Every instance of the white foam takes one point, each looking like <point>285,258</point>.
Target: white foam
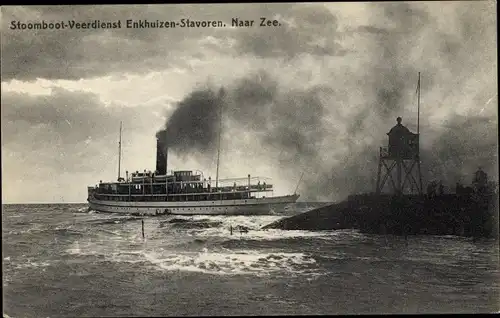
<point>66,227</point>
<point>75,249</point>
<point>222,261</point>
<point>14,216</point>
<point>253,224</point>
<point>270,234</point>
<point>127,245</point>
<point>33,230</point>
<point>103,247</point>
<point>31,264</point>
<point>235,262</point>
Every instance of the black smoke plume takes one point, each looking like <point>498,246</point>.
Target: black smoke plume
<point>288,121</point>
<point>193,125</point>
<point>338,150</point>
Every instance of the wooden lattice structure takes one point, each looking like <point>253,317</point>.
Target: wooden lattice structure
<point>399,163</point>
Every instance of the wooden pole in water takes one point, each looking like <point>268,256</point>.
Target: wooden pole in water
<point>142,221</point>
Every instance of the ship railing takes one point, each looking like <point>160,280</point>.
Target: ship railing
<point>206,189</point>
<point>229,185</point>
<point>150,181</point>
<point>189,193</point>
<point>252,188</point>
<point>245,179</point>
<point>253,183</point>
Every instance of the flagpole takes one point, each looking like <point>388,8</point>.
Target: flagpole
<point>418,136</point>
<point>418,105</point>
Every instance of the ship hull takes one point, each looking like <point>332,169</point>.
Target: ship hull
<point>255,206</point>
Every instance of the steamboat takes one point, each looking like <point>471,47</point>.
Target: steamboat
<point>185,192</point>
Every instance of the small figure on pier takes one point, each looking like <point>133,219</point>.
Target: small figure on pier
<point>480,180</point>
<point>231,229</point>
<point>406,231</point>
<point>431,189</point>
<point>441,188</point>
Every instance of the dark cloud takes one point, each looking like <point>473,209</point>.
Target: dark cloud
<point>330,126</point>
<point>74,115</point>
<point>340,155</point>
<point>280,119</point>
<point>464,144</point>
<point>288,120</point>
<point>76,54</point>
<point>393,76</point>
<point>71,131</point>
<point>303,30</point>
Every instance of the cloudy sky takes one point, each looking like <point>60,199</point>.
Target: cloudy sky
<point>315,94</point>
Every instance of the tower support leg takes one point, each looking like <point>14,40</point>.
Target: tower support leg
<point>378,189</point>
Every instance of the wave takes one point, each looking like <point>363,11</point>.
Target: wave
<point>212,260</point>
<point>33,265</point>
<point>234,262</point>
<point>190,224</point>
<point>223,223</point>
<point>62,229</point>
<point>84,209</point>
<point>199,244</point>
<point>114,220</point>
<point>243,262</point>
<point>241,227</point>
<point>22,263</point>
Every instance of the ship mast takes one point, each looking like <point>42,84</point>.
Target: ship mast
<point>221,95</point>
<point>120,152</point>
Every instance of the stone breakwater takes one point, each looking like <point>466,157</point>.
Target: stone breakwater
<point>471,215</point>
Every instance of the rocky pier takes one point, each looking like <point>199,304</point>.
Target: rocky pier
<point>471,215</point>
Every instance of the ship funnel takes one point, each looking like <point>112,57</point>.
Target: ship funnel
<point>161,158</point>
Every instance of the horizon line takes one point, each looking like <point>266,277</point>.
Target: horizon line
<point>17,203</point>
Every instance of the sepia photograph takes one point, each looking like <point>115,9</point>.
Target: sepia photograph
<point>250,159</point>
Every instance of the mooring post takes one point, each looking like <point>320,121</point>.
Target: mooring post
<point>142,221</point>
